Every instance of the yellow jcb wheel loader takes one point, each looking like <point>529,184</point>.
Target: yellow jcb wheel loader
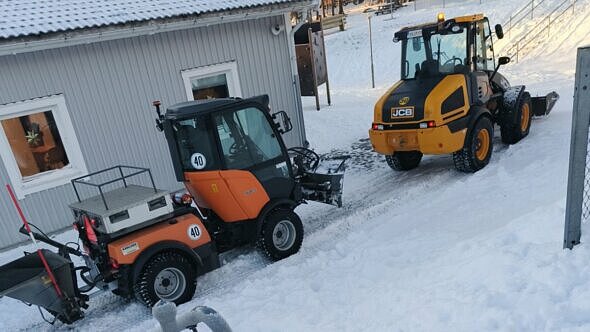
<point>450,96</point>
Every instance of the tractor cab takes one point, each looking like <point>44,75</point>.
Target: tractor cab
<point>206,137</point>
<point>231,156</point>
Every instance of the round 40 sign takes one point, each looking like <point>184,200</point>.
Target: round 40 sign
<point>194,232</point>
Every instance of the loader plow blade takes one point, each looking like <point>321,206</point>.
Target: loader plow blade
<point>324,184</point>
<point>543,105</point>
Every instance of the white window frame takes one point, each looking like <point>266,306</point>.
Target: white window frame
<point>50,179</point>
<point>228,68</point>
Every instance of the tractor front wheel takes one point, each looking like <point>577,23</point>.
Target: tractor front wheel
<point>477,151</point>
<point>168,276</point>
<point>282,234</point>
<point>404,160</point>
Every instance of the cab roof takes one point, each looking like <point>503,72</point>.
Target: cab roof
<point>189,108</point>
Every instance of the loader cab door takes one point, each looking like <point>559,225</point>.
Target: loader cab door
<point>483,60</point>
<point>247,140</point>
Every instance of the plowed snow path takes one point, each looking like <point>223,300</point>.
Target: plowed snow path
<point>430,250</point>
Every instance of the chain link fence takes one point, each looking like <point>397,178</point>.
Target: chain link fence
<point>578,184</point>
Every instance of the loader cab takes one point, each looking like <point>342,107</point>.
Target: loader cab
<point>459,45</point>
<point>208,138</point>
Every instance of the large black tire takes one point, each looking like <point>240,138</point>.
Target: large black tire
<point>168,276</point>
<point>477,151</point>
<point>404,160</point>
<point>517,127</point>
<point>282,234</point>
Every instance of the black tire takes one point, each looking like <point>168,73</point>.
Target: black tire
<point>517,127</point>
<point>282,234</point>
<point>471,158</point>
<point>161,271</point>
<point>404,160</point>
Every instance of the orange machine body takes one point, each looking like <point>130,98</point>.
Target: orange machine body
<point>187,230</point>
<point>233,195</point>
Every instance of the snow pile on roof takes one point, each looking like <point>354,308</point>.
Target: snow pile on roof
<point>34,17</point>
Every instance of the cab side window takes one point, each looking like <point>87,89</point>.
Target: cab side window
<point>246,137</point>
<point>195,144</point>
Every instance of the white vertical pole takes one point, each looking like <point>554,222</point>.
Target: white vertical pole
<point>371,47</point>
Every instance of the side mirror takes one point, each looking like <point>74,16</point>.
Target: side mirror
<point>284,124</point>
<point>503,60</point>
<point>499,31</point>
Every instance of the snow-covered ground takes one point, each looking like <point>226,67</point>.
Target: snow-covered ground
<point>427,250</point>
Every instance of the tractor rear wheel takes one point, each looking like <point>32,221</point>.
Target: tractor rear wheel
<point>404,160</point>
<point>513,132</point>
<point>282,234</point>
<point>168,276</point>
<point>477,151</point>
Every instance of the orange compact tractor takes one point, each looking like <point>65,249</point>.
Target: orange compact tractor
<point>146,243</point>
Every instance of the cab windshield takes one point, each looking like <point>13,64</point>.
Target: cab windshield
<point>430,53</point>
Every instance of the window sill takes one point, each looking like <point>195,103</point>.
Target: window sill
<point>47,180</point>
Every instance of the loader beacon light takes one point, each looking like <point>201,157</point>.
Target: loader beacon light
<point>440,17</point>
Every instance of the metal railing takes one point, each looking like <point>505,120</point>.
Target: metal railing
<point>513,21</point>
<point>545,24</point>
<point>577,208</point>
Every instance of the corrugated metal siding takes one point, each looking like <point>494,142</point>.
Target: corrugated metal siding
<point>109,87</point>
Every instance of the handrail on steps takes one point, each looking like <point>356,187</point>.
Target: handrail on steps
<point>547,27</point>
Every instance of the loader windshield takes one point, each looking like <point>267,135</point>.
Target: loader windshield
<point>428,52</point>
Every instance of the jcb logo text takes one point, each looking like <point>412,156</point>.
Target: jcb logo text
<point>402,112</point>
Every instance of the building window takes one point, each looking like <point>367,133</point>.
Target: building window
<point>216,81</point>
<point>39,145</point>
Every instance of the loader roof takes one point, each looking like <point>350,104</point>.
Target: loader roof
<point>458,19</point>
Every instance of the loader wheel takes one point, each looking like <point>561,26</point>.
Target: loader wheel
<point>167,276</point>
<point>404,160</point>
<point>477,151</point>
<point>519,129</point>
<point>282,234</point>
